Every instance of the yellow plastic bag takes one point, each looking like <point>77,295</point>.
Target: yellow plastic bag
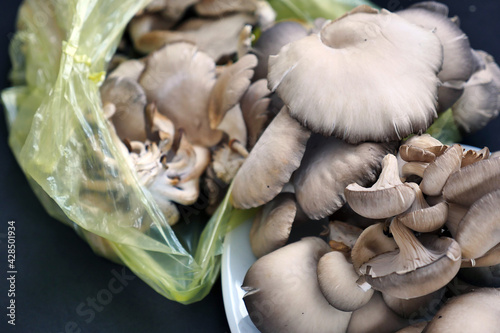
<point>60,138</point>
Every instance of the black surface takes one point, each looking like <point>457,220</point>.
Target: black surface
<point>57,271</point>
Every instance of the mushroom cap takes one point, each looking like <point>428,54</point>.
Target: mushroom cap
<point>254,105</point>
<point>387,197</point>
<point>337,281</point>
<point>424,218</point>
<point>477,311</point>
<point>179,78</point>
<point>417,268</point>
<point>132,69</point>
<point>271,162</point>
<point>272,225</point>
<point>130,100</point>
<point>479,230</point>
<point>370,244</point>
<point>344,233</point>
<point>415,308</point>
<point>414,328</point>
<point>470,183</point>
<point>457,56</point>
<point>229,88</point>
<point>329,80</point>
<point>272,40</point>
<point>480,101</point>
<point>283,294</point>
<point>436,174</point>
<point>472,156</point>
<point>328,166</point>
<point>375,317</point>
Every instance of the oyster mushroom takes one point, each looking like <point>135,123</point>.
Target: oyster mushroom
<point>436,173</point>
<point>129,100</point>
<point>375,317</point>
<point>362,46</point>
<point>479,231</point>
<point>254,104</point>
<point>271,162</point>
<point>417,268</point>
<point>421,217</point>
<point>387,197</point>
<point>272,225</point>
<point>337,281</point>
<point>423,307</point>
<point>477,311</point>
<point>457,56</point>
<point>480,101</point>
<point>328,166</point>
<point>221,7</point>
<point>469,184</point>
<point>283,295</point>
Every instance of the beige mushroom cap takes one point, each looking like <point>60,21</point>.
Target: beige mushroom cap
<point>477,311</point>
<point>179,78</point>
<point>436,174</point>
<point>283,294</point>
<point>344,81</point>
<point>271,162</point>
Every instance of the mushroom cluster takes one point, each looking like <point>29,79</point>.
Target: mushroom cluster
<point>413,212</point>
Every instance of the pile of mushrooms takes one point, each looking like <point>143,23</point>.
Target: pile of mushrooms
<point>348,145</point>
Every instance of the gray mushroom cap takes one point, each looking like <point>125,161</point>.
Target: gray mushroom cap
<point>423,307</point>
<point>272,40</point>
<point>129,99</point>
<point>387,197</point>
<point>479,230</point>
<point>477,311</point>
<point>436,173</point>
<point>283,294</point>
<point>271,162</point>
<point>328,80</point>
<point>470,183</point>
<point>272,225</point>
<point>375,317</point>
<point>337,281</point>
<point>328,166</point>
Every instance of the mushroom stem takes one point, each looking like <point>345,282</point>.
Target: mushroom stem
<point>414,168</point>
<point>237,147</point>
<point>390,174</point>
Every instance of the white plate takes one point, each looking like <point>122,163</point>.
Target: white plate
<point>237,258</point>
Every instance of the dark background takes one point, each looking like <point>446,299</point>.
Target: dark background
<point>57,271</point>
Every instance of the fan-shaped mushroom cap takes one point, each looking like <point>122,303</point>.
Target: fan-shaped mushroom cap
<point>170,9</point>
<point>415,308</point>
<point>436,173</point>
<point>479,230</point>
<point>271,162</point>
<point>129,100</point>
<point>375,317</point>
<point>480,101</point>
<point>328,166</point>
<point>343,233</point>
<point>337,281</point>
<point>470,183</point>
<point>387,197</point>
<point>457,57</point>
<point>424,142</point>
<point>131,69</point>
<point>477,311</point>
<point>370,244</point>
<point>490,258</point>
<point>419,267</point>
<point>229,88</point>
<point>272,40</point>
<point>330,80</point>
<point>254,105</point>
<point>179,79</point>
<point>472,156</point>
<point>272,225</point>
<point>283,294</point>
<point>421,217</point>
